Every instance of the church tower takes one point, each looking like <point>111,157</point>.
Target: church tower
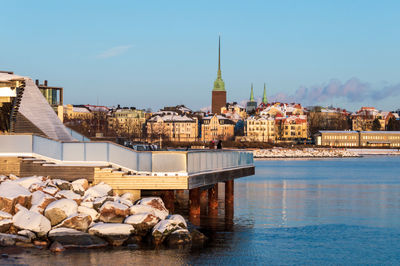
<point>218,93</point>
<point>264,99</point>
<point>251,104</point>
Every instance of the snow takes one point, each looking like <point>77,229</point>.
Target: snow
<point>88,204</point>
<point>32,221</point>
<point>5,221</point>
<point>26,182</point>
<point>164,225</point>
<point>5,215</point>
<point>111,229</point>
<point>68,194</point>
<point>140,209</point>
<point>136,218</point>
<point>50,190</point>
<point>89,211</point>
<point>157,204</point>
<point>113,205</point>
<point>177,219</point>
<point>11,190</point>
<point>99,190</point>
<point>38,197</point>
<point>126,202</point>
<point>67,205</point>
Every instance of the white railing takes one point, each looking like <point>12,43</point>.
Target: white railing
<point>188,162</point>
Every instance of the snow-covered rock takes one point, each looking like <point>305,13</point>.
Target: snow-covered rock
<point>80,186</point>
<point>10,240</point>
<point>68,194</point>
<point>139,209</point>
<point>124,201</point>
<point>60,209</point>
<point>50,190</point>
<point>98,202</point>
<point>78,221</point>
<point>32,221</point>
<point>40,201</point>
<point>5,215</point>
<point>157,204</point>
<point>103,229</point>
<point>142,222</point>
<point>26,182</point>
<point>71,238</point>
<point>178,219</point>
<point>179,237</point>
<point>12,194</point>
<point>113,212</point>
<point>163,229</point>
<point>89,211</point>
<point>28,234</point>
<point>88,204</point>
<point>62,184</point>
<point>63,231</point>
<point>99,190</point>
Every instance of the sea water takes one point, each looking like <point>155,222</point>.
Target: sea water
<point>322,211</point>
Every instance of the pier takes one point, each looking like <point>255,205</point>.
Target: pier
<point>127,170</point>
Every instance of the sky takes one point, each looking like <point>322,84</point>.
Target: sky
<point>162,53</point>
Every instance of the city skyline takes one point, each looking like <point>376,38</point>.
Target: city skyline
<point>341,54</point>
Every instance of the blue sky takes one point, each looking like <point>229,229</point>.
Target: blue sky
<point>156,53</point>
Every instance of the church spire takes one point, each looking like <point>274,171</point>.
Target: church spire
<point>251,94</point>
<point>264,100</point>
<point>219,57</point>
<point>219,84</point>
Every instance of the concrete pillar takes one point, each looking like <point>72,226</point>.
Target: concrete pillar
<point>229,206</point>
<point>213,200</point>
<point>169,200</point>
<point>194,206</point>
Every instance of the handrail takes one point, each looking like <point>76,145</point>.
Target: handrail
<point>184,162</point>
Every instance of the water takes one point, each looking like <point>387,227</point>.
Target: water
<point>337,211</point>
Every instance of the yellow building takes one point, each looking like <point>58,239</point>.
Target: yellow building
<point>291,128</point>
<point>363,119</point>
<point>234,111</point>
<point>172,126</point>
<point>217,127</point>
<point>359,138</point>
<point>127,121</point>
<point>260,129</point>
<point>76,112</point>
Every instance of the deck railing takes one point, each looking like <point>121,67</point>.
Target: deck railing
<point>186,162</point>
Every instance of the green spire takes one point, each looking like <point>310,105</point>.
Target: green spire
<point>251,94</point>
<point>264,100</point>
<point>219,84</point>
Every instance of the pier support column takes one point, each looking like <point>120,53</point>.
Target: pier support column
<point>229,200</point>
<point>213,200</point>
<point>169,200</point>
<point>194,206</point>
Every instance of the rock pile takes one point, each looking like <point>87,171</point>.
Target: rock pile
<point>61,214</point>
<point>304,153</point>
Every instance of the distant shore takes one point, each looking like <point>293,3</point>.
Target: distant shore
<point>308,153</point>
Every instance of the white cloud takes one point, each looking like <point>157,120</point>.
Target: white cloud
<point>115,51</point>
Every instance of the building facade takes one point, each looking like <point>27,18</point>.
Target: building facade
<point>217,127</point>
<point>260,129</point>
<point>358,138</point>
<point>127,121</point>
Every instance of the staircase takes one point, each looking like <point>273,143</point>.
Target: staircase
<point>15,107</point>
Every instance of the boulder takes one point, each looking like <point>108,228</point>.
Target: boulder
<point>126,202</point>
<point>58,210</point>
<point>11,240</point>
<point>28,234</point>
<point>140,209</point>
<point>98,202</point>
<point>89,211</point>
<point>113,212</point>
<point>116,234</point>
<point>12,194</point>
<point>50,190</point>
<point>71,238</point>
<point>13,177</point>
<point>40,201</point>
<point>5,215</point>
<point>80,186</point>
<point>62,184</point>
<point>99,190</point>
<point>197,237</point>
<point>162,230</point>
<point>142,222</point>
<point>157,204</point>
<point>88,204</point>
<point>5,225</point>
<point>128,196</point>
<point>32,221</point>
<point>56,247</point>
<point>179,237</point>
<point>78,221</point>
<point>179,220</point>
<point>26,182</point>
<point>68,194</point>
